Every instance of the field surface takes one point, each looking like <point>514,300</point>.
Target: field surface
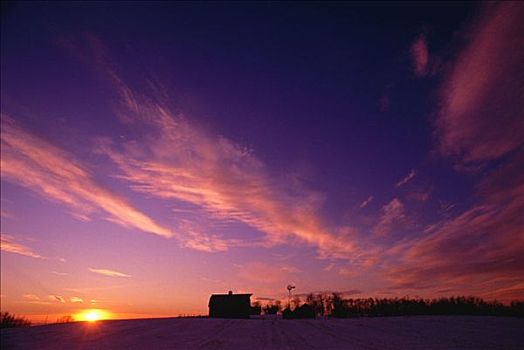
<point>423,332</point>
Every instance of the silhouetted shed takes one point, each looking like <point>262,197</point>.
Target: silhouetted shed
<point>230,305</point>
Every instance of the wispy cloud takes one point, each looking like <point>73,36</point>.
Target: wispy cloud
<point>480,116</point>
<point>392,213</point>
<point>110,273</point>
<point>196,238</point>
<point>347,272</point>
<point>59,273</point>
<point>31,297</point>
<point>420,55</point>
<point>32,162</point>
<point>58,298</point>
<point>479,119</point>
<point>329,267</point>
<point>76,300</point>
<point>366,202</point>
<point>407,178</point>
<point>175,159</point>
<point>9,244</point>
<point>485,242</point>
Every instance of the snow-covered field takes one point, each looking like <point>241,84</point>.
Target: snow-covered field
<point>423,332</point>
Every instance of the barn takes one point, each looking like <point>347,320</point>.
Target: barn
<point>230,305</point>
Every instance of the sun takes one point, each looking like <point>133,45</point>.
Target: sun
<point>92,315</point>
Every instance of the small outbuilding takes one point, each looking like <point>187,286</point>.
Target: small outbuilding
<point>230,305</point>
<point>304,311</point>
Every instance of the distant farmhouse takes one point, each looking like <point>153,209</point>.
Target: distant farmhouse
<point>231,306</point>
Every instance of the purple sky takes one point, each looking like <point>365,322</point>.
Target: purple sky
<point>155,154</point>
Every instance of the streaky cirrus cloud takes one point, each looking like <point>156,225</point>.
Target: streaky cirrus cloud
<point>329,267</point>
<point>32,162</point>
<point>59,273</point>
<point>58,298</point>
<point>420,55</point>
<point>407,178</point>
<point>109,273</point>
<point>484,243</point>
<point>392,214</point>
<point>175,159</point>
<point>10,245</point>
<point>31,297</point>
<point>480,119</point>
<point>481,114</point>
<point>198,238</point>
<point>366,202</point>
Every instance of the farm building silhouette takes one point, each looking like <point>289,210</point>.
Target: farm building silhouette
<point>231,305</point>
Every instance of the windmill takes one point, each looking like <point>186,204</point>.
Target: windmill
<point>289,288</point>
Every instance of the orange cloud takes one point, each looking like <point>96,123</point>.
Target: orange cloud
<point>8,244</point>
<point>58,298</point>
<point>31,297</point>
<point>36,164</point>
<point>59,273</point>
<point>179,161</point>
<point>110,273</point>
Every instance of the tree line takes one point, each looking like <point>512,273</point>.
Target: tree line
<point>335,305</point>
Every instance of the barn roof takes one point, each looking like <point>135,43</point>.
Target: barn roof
<point>228,297</point>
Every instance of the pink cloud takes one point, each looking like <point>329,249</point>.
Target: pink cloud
<point>34,163</point>
<point>109,273</point>
<point>9,244</point>
<point>407,178</point>
<point>420,56</point>
<point>479,119</point>
<point>177,160</point>
<point>481,250</point>
<point>366,202</point>
<point>392,214</point>
<point>31,297</point>
<point>329,267</point>
<point>481,114</point>
<point>196,238</point>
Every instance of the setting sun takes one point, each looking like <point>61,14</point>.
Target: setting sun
<point>92,315</point>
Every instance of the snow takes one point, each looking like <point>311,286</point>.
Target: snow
<point>422,332</point>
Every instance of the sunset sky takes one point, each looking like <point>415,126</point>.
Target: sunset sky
<point>154,154</point>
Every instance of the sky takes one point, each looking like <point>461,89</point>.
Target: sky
<point>155,153</point>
